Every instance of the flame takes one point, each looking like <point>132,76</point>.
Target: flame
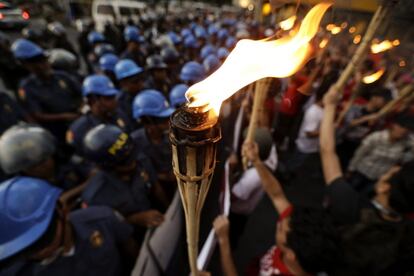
<point>252,60</point>
<point>287,24</point>
<point>336,30</point>
<point>384,46</point>
<point>352,30</point>
<point>329,27</point>
<point>323,43</point>
<point>402,63</point>
<point>357,39</point>
<point>373,77</point>
<point>344,25</point>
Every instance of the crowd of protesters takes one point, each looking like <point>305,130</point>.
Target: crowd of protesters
<point>86,159</point>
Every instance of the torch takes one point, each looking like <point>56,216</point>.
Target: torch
<point>194,134</point>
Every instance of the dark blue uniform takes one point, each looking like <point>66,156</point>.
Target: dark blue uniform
<point>127,198</point>
<point>82,125</point>
<point>160,155</point>
<point>97,234</point>
<point>10,111</point>
<point>59,95</point>
<point>125,103</point>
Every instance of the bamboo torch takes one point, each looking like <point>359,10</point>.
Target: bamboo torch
<point>405,93</point>
<point>258,102</point>
<point>194,134</point>
<point>377,19</point>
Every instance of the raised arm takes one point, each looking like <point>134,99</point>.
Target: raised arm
<point>270,184</point>
<point>221,227</point>
<point>330,161</point>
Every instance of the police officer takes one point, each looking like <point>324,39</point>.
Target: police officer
<point>131,81</point>
<point>63,60</point>
<point>173,60</point>
<point>211,63</point>
<point>177,95</point>
<point>51,98</point>
<point>11,112</point>
<point>101,97</point>
<point>94,39</point>
<point>222,54</point>
<point>191,48</point>
<point>158,74</point>
<point>39,237</point>
<point>124,178</point>
<point>31,151</point>
<point>152,110</point>
<point>192,72</point>
<point>133,49</point>
<point>59,37</point>
<point>107,66</point>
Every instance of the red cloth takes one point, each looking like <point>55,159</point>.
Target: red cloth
<point>292,99</point>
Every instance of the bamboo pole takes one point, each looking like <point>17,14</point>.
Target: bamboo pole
<point>407,91</point>
<point>358,57</point>
<point>258,102</point>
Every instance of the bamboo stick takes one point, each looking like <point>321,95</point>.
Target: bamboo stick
<point>405,92</point>
<point>358,57</point>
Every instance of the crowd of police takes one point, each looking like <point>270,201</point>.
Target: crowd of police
<point>86,160</point>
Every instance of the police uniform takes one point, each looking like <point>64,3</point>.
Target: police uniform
<point>106,189</point>
<point>10,111</point>
<point>97,233</point>
<point>160,155</point>
<point>82,125</point>
<point>124,100</point>
<point>58,95</point>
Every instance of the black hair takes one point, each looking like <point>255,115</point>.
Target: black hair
<point>313,238</point>
<point>328,80</point>
<point>381,92</point>
<point>370,246</point>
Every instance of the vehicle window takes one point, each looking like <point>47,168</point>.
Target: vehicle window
<point>125,11</point>
<point>106,9</point>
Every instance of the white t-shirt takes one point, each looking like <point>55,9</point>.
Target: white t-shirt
<point>248,190</point>
<point>311,122</point>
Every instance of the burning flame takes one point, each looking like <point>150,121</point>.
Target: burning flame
<point>402,63</point>
<point>323,43</point>
<point>287,24</point>
<point>336,30</point>
<point>384,46</point>
<point>329,27</point>
<point>352,30</point>
<point>252,60</point>
<point>373,77</point>
<point>357,39</point>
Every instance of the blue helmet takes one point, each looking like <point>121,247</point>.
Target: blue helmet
<point>222,53</point>
<point>175,38</point>
<point>177,95</point>
<point>102,49</point>
<point>230,42</point>
<point>107,62</point>
<point>200,32</point>
<point>191,42</point>
<point>207,50</point>
<point>25,49</point>
<point>126,68</point>
<point>131,33</point>
<point>24,221</point>
<point>95,37</point>
<point>212,29</point>
<point>192,71</point>
<point>222,34</point>
<point>151,103</point>
<point>185,32</point>
<point>98,85</point>
<point>211,63</point>
<point>108,146</point>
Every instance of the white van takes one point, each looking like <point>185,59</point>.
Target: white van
<point>116,11</point>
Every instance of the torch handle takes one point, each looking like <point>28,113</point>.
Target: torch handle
<point>357,59</point>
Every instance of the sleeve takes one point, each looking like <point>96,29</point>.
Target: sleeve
<point>28,99</point>
<point>247,184</point>
<point>121,229</point>
<point>367,145</point>
<point>343,201</point>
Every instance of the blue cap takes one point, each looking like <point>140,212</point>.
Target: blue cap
<point>207,50</point>
<point>192,71</point>
<point>200,32</point>
<point>185,32</point>
<point>222,34</point>
<point>108,61</point>
<point>26,209</point>
<point>102,49</point>
<point>98,85</point>
<point>212,29</point>
<point>95,37</point>
<point>175,38</point>
<point>126,68</point>
<point>211,63</point>
<point>151,103</point>
<point>222,53</point>
<point>25,49</point>
<point>230,42</point>
<point>177,95</point>
<point>131,33</point>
